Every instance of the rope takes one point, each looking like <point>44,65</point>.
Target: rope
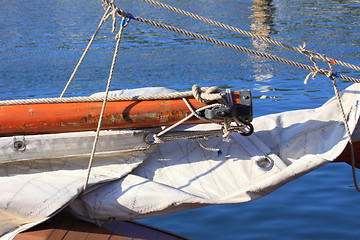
<point>193,113</point>
<point>225,131</point>
<point>336,90</point>
<point>95,99</point>
<point>312,74</point>
<point>118,38</point>
<point>353,166</point>
<point>225,124</point>
<point>253,35</point>
<point>243,49</point>
<point>229,45</point>
<point>205,95</point>
<point>181,135</point>
<point>218,150</point>
<point>103,19</point>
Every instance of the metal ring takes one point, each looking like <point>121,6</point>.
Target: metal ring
<point>19,145</point>
<point>149,138</point>
<point>265,163</point>
<point>249,129</point>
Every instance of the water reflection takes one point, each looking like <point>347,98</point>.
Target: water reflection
<point>262,24</point>
<point>262,21</point>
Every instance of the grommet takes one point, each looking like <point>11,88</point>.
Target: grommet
<point>149,139</point>
<point>265,163</point>
<point>19,144</point>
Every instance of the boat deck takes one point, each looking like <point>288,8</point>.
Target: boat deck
<point>65,227</point>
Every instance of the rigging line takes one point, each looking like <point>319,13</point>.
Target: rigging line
<point>352,154</point>
<point>300,50</point>
<point>229,45</point>
<point>118,39</point>
<point>103,19</point>
<point>193,113</point>
<point>203,94</point>
<point>243,49</point>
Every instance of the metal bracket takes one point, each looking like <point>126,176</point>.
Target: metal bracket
<point>243,110</point>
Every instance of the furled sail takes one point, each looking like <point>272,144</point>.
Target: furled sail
<point>131,179</point>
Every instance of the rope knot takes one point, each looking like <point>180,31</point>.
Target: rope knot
<point>313,74</point>
<point>206,95</point>
<point>117,11</point>
<point>330,74</point>
<point>304,51</point>
<point>309,54</point>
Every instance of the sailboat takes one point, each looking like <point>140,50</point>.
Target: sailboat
<point>127,155</point>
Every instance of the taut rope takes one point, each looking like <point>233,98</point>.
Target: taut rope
<point>103,19</point>
<point>118,39</point>
<point>253,35</point>
<point>229,45</point>
<point>201,94</point>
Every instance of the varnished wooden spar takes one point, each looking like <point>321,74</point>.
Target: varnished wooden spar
<point>345,156</point>
<point>84,116</point>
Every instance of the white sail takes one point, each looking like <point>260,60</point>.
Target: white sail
<point>130,179</point>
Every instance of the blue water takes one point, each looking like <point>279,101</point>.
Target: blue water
<point>41,41</point>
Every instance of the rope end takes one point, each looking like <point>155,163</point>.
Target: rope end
<point>219,152</point>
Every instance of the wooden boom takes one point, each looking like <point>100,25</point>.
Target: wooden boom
<point>84,116</point>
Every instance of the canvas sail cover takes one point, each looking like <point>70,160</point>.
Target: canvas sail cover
<point>131,180</point>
